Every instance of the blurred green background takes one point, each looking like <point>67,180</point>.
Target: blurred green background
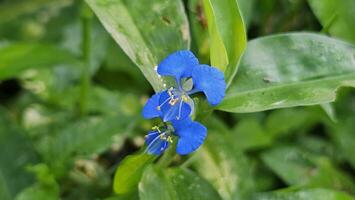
<point>68,117</point>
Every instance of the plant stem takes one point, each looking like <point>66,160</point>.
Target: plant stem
<point>86,17</point>
<point>167,157</point>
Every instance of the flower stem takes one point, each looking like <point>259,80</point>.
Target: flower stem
<point>167,157</point>
<point>86,20</point>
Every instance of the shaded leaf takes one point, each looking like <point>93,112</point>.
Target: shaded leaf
<point>302,168</point>
<point>16,152</point>
<point>46,187</point>
<point>336,17</point>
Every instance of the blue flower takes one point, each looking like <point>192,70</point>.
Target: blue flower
<point>175,103</point>
<point>190,135</point>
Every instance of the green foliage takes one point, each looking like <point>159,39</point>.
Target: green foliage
<point>71,98</point>
<point>174,184</point>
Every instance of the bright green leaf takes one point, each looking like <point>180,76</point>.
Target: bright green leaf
<point>174,184</point>
<point>146,30</point>
<point>227,35</point>
<point>130,171</point>
<point>290,70</point>
<point>336,17</point>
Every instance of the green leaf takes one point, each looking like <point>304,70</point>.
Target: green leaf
<point>290,70</point>
<point>46,187</point>
<point>159,184</point>
<point>336,17</point>
<point>17,57</point>
<point>314,194</point>
<point>84,137</point>
<point>146,30</point>
<point>221,162</point>
<point>284,122</point>
<point>227,35</point>
<point>302,168</point>
<point>342,134</point>
<point>129,172</point>
<point>250,134</point>
<point>247,9</point>
<point>16,152</point>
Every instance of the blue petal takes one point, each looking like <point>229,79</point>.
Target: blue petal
<point>178,111</point>
<point>191,135</point>
<point>155,144</point>
<point>150,109</point>
<point>178,64</point>
<point>211,82</point>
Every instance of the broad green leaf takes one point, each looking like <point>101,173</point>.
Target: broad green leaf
<point>17,57</point>
<point>227,35</point>
<point>16,152</point>
<point>336,17</point>
<point>221,162</point>
<point>147,31</point>
<point>302,168</point>
<point>290,70</point>
<point>129,172</point>
<point>307,194</point>
<point>159,184</point>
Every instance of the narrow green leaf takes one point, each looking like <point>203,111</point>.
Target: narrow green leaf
<point>17,57</point>
<point>290,70</point>
<point>313,194</point>
<point>336,17</point>
<point>174,184</point>
<point>129,172</point>
<point>146,30</point>
<point>227,35</point>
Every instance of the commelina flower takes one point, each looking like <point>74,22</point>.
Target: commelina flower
<point>191,135</point>
<point>175,105</point>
